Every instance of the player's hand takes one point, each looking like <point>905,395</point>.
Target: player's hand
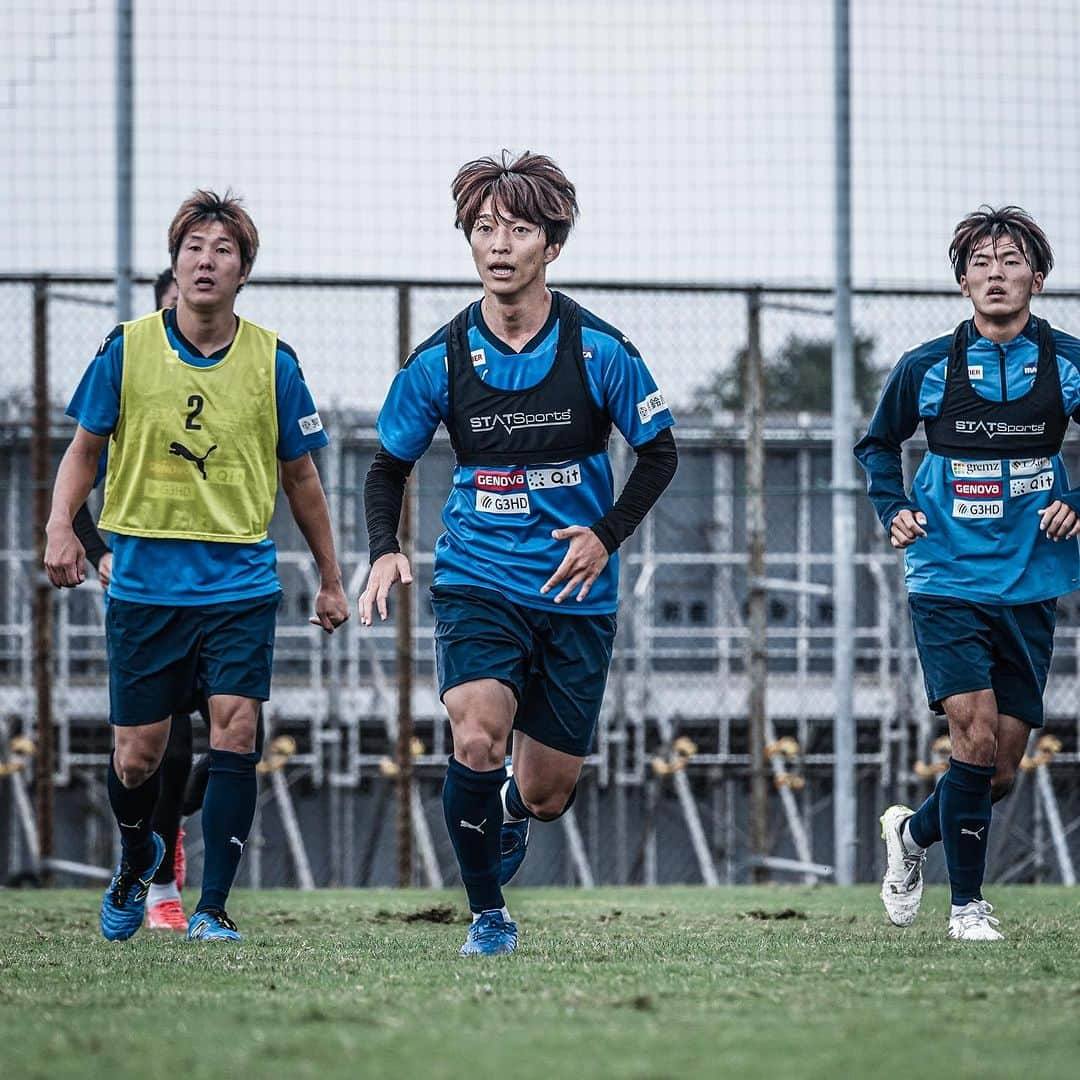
<point>65,557</point>
<point>331,606</point>
<point>582,564</point>
<point>1059,521</point>
<point>385,570</point>
<point>104,569</point>
<point>906,528</point>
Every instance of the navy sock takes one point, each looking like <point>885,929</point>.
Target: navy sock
<point>515,804</point>
<point>925,823</point>
<point>473,810</point>
<point>134,808</point>
<point>228,811</point>
<point>174,770</point>
<point>965,826</point>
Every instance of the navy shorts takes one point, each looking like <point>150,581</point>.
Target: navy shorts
<point>162,659</point>
<point>965,646</point>
<point>555,664</point>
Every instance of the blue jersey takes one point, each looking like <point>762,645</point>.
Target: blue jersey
<point>982,538</point>
<point>193,572</point>
<point>499,520</point>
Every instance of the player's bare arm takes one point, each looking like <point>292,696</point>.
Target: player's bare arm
<point>65,557</point>
<point>303,488</point>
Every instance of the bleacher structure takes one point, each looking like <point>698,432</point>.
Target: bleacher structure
<point>664,796</point>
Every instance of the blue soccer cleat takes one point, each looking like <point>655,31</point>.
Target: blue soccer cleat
<point>123,907</point>
<point>212,924</point>
<point>513,840</point>
<point>490,935</point>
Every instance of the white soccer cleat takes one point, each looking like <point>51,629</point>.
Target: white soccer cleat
<point>973,922</point>
<point>902,888</point>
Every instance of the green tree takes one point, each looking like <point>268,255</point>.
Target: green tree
<point>798,378</point>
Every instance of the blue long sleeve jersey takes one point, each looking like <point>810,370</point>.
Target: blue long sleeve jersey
<point>996,557</point>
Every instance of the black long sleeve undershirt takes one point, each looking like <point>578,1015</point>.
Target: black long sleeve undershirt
<point>657,460</point>
<point>88,535</point>
<point>656,463</point>
<point>384,492</point>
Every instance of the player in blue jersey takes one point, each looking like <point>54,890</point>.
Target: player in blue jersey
<point>988,535</point>
<point>201,411</point>
<point>528,385</point>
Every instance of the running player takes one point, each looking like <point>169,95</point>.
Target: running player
<point>200,409</point>
<point>988,539</point>
<point>528,385</point>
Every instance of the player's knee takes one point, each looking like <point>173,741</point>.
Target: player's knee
<point>1002,782</point>
<point>238,738</point>
<point>135,765</point>
<point>547,806</point>
<point>479,750</point>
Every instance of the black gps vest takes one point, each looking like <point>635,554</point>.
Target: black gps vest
<point>555,420</point>
<point>970,426</point>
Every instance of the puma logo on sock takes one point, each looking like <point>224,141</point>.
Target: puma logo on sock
<point>123,825</point>
<point>977,833</point>
<point>468,825</point>
<point>237,841</point>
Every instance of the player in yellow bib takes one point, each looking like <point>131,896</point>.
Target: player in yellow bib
<point>201,410</point>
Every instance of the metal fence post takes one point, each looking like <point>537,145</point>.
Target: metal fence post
<point>44,796</point>
<point>843,483</point>
<point>757,643</point>
<point>403,652</point>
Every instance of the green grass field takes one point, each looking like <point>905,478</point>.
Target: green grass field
<point>771,982</point>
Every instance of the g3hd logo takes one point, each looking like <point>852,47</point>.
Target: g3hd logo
<point>513,421</point>
<point>991,428</point>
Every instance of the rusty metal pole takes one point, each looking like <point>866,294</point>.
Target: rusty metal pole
<point>403,652</point>
<point>42,605</point>
<point>757,654</point>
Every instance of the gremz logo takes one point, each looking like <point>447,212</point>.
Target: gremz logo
<point>511,421</point>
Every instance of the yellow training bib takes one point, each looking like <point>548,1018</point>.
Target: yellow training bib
<point>194,453</point>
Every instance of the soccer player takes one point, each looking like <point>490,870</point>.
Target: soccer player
<point>987,534</point>
<point>201,409</point>
<point>528,385</point>
<point>164,909</point>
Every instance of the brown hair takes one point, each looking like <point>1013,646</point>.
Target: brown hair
<point>1018,225</point>
<point>203,206</point>
<point>531,187</point>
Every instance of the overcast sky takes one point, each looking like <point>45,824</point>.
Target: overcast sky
<point>698,132</point>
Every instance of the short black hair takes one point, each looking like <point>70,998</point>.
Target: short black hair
<point>161,285</point>
<point>1010,221</point>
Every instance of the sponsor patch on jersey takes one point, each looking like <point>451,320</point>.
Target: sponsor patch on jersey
<point>309,425</point>
<point>478,357</point>
<point>994,429</point>
<point>489,503</point>
<point>1031,369</point>
<point>981,469</point>
<point>975,371</point>
<point>648,408</point>
<point>1026,466</point>
<point>586,354</point>
<point>564,476</point>
<point>977,508</point>
<point>508,480</point>
<point>978,489</point>
<point>1027,484</point>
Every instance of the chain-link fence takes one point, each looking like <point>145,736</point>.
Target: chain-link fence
<point>664,795</point>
